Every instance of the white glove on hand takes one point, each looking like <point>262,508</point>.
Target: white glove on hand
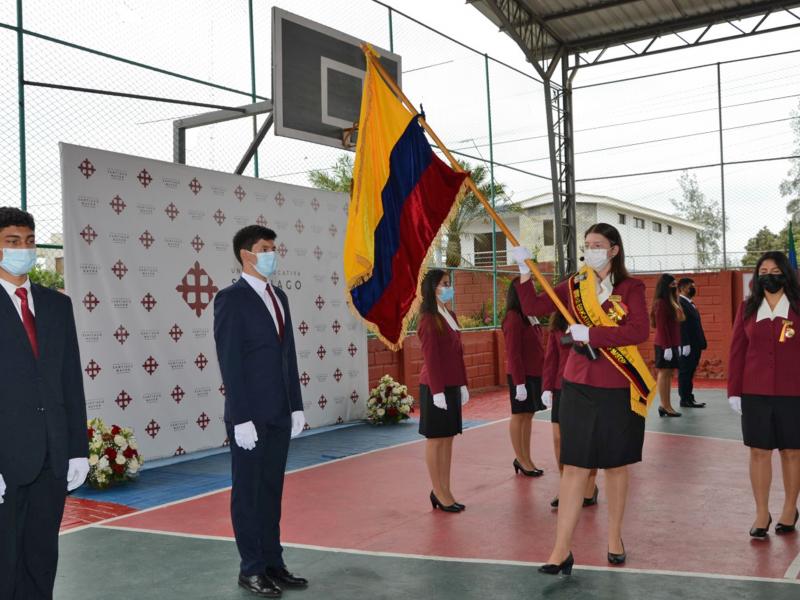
<point>298,422</point>
<point>246,436</point>
<point>77,471</point>
<point>579,333</point>
<point>2,488</point>
<point>464,395</point>
<point>547,398</point>
<point>668,354</point>
<point>520,254</point>
<point>687,350</point>
<point>522,393</point>
<point>736,403</point>
<point>439,401</point>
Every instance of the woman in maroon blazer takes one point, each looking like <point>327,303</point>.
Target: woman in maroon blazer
<point>599,428</point>
<point>666,315</point>
<point>555,359</point>
<point>524,356</point>
<point>443,385</point>
<point>764,388</point>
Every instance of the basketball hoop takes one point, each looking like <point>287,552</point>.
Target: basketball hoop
<point>350,137</point>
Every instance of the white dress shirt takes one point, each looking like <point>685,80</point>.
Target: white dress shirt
<point>781,310</point>
<point>448,317</point>
<point>15,300</point>
<point>689,300</point>
<point>261,289</point>
<point>605,287</point>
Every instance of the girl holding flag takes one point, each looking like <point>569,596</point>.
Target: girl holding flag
<point>603,401</point>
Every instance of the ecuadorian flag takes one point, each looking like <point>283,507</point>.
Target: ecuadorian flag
<point>402,194</point>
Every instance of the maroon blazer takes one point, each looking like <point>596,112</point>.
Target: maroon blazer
<point>442,354</point>
<point>524,352</point>
<point>633,329</point>
<point>555,360</point>
<point>668,328</point>
<point>759,363</point>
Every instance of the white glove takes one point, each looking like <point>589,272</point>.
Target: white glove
<point>522,393</point>
<point>2,488</point>
<point>246,436</point>
<point>736,403</point>
<point>687,350</point>
<point>520,254</point>
<point>464,395</point>
<point>77,471</point>
<point>298,422</point>
<point>547,398</point>
<point>579,333</point>
<point>439,401</point>
<point>668,354</point>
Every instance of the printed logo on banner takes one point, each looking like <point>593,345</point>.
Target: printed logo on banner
<point>321,352</point>
<point>197,215</point>
<point>86,168</point>
<point>222,389</point>
<point>172,211</point>
<point>201,362</point>
<point>123,399</point>
<point>90,301</point>
<point>147,239</point>
<point>203,421</point>
<point>88,234</point>
<point>299,227</point>
<point>354,397</point>
<point>319,302</point>
<point>91,337</point>
<point>336,326</point>
<point>332,230</point>
<point>150,365</point>
<point>175,333</point>
<point>197,289</point>
<point>305,379</point>
<point>171,183</point>
<point>121,334</point>
<point>195,186</point>
<point>318,253</point>
<point>148,301</point>
<point>219,216</point>
<point>177,394</point>
<point>337,375</point>
<point>144,178</point>
<point>315,204</point>
<point>89,202</point>
<point>116,174</point>
<point>197,243</point>
<point>239,193</point>
<point>282,250</point>
<point>92,369</point>
<point>117,204</point>
<point>179,451</point>
<point>279,199</point>
<point>119,269</point>
<point>322,402</point>
<point>262,221</point>
<point>152,428</point>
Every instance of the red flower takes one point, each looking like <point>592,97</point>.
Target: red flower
<point>129,453</point>
<point>118,469</point>
<point>116,430</point>
<point>136,453</point>
<point>111,454</point>
<point>392,412</point>
<point>90,432</point>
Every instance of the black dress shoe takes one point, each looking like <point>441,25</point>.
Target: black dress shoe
<point>693,404</point>
<point>760,533</point>
<point>618,559</point>
<point>260,585</point>
<point>781,529</point>
<point>459,505</point>
<point>285,578</point>
<point>436,503</point>
<point>554,502</point>
<point>565,567</point>
<point>662,412</point>
<point>593,500</point>
<point>532,473</point>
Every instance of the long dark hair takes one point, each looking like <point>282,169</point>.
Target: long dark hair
<point>668,295</point>
<point>429,284</point>
<point>618,271</point>
<point>513,303</point>
<point>791,288</point>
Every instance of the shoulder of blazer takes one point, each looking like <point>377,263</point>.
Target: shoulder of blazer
<point>629,284</point>
<point>52,297</point>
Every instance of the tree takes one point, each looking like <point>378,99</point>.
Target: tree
<point>695,207</point>
<point>763,241</point>
<point>338,178</point>
<point>790,187</point>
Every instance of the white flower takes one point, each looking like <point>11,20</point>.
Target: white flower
<point>121,442</point>
<point>133,465</point>
<point>405,409</point>
<point>381,412</point>
<point>93,459</point>
<point>371,402</point>
<point>120,460</point>
<point>102,464</point>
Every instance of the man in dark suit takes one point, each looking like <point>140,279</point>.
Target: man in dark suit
<point>43,444</point>
<point>693,342</point>
<point>263,407</point>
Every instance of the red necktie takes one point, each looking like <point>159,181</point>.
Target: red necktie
<point>278,314</point>
<point>27,320</point>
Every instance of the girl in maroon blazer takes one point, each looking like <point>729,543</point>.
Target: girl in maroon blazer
<point>555,359</point>
<point>763,385</point>
<point>443,385</point>
<point>603,401</point>
<point>666,316</point>
<point>524,356</point>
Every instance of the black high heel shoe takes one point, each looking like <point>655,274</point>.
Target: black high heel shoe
<point>565,567</point>
<point>533,473</point>
<point>554,502</point>
<point>760,533</point>
<point>662,412</point>
<point>782,529</point>
<point>435,503</point>
<point>618,559</point>
<point>593,500</point>
<point>459,506</point>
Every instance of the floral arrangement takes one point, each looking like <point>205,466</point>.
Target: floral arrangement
<point>389,402</point>
<point>113,455</point>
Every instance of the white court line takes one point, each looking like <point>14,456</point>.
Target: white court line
<point>479,561</point>
<point>794,569</point>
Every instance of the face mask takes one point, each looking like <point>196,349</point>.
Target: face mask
<point>772,283</point>
<point>445,294</point>
<point>692,292</point>
<point>265,263</point>
<point>596,258</point>
<point>18,261</point>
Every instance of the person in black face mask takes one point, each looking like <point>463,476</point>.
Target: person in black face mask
<point>693,342</point>
<point>764,388</point>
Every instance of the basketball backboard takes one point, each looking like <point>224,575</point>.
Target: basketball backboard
<point>317,78</point>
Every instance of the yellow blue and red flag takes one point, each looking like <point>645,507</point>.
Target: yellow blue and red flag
<point>402,194</point>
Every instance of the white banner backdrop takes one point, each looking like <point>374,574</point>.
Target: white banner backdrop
<point>147,244</point>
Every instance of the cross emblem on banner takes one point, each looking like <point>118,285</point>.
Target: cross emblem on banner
<point>179,451</point>
<point>88,234</point>
<point>352,349</point>
<point>149,302</point>
<point>299,226</point>
<point>239,193</point>
<point>336,326</point>
<point>119,269</point>
<point>305,379</point>
<point>282,250</point>
<point>315,204</point>
<point>197,243</point>
<point>322,401</point>
<point>123,399</point>
<point>219,216</point>
<point>321,352</point>
<point>144,177</point>
<point>354,397</point>
<point>320,302</point>
<point>172,211</point>
<point>117,204</point>
<point>152,428</point>
<point>279,199</point>
<point>201,361</point>
<point>335,278</point>
<point>197,289</point>
<point>318,252</point>
<point>332,230</point>
<point>303,327</point>
<point>147,239</point>
<point>222,389</point>
<point>86,168</point>
<point>177,394</point>
<point>121,335</point>
<point>195,186</point>
<point>337,375</point>
<point>150,365</point>
<point>93,369</point>
<point>261,220</point>
<point>175,332</point>
<point>203,421</point>
<point>226,443</point>
<point>90,301</point>
<point>339,420</point>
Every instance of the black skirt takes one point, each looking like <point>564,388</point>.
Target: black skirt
<point>663,363</point>
<point>598,428</point>
<point>770,422</point>
<point>435,422</point>
<point>556,403</point>
<point>534,400</point>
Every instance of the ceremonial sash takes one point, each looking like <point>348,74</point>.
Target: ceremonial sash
<point>626,359</point>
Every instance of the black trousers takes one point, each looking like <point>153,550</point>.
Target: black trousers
<point>30,517</point>
<point>256,498</point>
<point>687,365</point>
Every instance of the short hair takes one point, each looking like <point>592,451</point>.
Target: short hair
<point>14,217</point>
<point>685,281</point>
<point>249,236</point>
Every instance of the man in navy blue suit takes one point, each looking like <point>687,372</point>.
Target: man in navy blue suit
<point>693,340</point>
<point>43,444</point>
<point>263,407</point>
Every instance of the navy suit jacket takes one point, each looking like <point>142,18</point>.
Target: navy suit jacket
<point>259,370</point>
<point>42,405</point>
<point>692,328</point>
